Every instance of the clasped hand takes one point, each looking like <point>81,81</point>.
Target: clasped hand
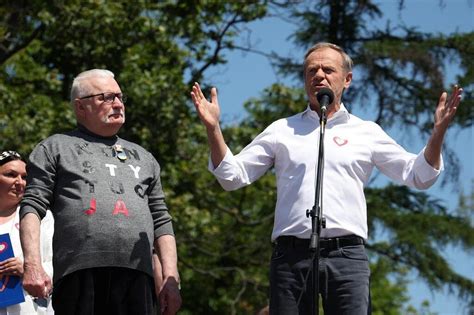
<point>11,267</point>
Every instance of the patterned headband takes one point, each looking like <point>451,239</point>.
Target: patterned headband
<point>7,156</point>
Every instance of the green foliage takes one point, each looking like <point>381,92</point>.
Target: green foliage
<point>277,101</point>
<point>416,228</point>
<point>158,48</point>
<point>388,296</point>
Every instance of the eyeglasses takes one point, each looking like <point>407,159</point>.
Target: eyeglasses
<point>108,97</point>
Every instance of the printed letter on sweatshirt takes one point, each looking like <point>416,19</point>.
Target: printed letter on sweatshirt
<point>135,170</point>
<point>93,208</point>
<point>112,168</point>
<point>120,207</point>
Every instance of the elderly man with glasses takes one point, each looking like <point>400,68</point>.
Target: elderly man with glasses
<point>107,200</point>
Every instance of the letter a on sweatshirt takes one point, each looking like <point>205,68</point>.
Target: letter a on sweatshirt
<point>120,207</point>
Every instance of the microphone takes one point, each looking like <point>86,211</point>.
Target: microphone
<point>325,97</point>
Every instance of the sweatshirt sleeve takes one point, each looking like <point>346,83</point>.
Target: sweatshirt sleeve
<point>41,170</point>
<point>162,220</point>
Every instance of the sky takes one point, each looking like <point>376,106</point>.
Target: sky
<point>246,75</point>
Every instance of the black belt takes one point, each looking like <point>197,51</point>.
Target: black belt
<point>324,243</point>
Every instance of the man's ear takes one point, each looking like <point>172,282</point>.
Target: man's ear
<point>79,108</point>
<point>348,80</point>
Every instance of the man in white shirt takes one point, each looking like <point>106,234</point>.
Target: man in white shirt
<point>353,147</point>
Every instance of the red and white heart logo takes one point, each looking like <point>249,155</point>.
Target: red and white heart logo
<point>3,247</point>
<point>340,142</point>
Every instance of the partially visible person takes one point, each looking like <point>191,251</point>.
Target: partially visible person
<point>109,208</point>
<point>12,188</point>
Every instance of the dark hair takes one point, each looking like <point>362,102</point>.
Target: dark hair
<point>7,156</point>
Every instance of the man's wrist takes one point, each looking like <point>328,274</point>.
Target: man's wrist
<point>31,263</point>
<point>172,279</point>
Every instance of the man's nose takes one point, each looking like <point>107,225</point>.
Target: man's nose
<point>319,73</point>
<point>117,103</point>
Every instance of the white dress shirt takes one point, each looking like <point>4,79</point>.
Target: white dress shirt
<point>352,148</point>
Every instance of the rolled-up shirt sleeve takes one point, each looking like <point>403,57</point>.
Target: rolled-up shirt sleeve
<point>249,165</point>
<point>404,167</point>
<point>426,174</point>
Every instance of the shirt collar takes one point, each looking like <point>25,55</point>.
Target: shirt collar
<point>342,115</point>
<point>86,131</point>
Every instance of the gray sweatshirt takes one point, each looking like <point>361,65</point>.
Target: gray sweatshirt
<point>106,198</point>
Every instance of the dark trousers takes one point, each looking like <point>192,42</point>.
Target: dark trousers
<point>343,279</point>
<point>107,290</point>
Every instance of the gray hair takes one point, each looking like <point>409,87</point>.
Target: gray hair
<point>346,63</point>
<point>79,88</point>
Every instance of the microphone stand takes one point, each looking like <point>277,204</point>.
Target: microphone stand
<point>316,213</point>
